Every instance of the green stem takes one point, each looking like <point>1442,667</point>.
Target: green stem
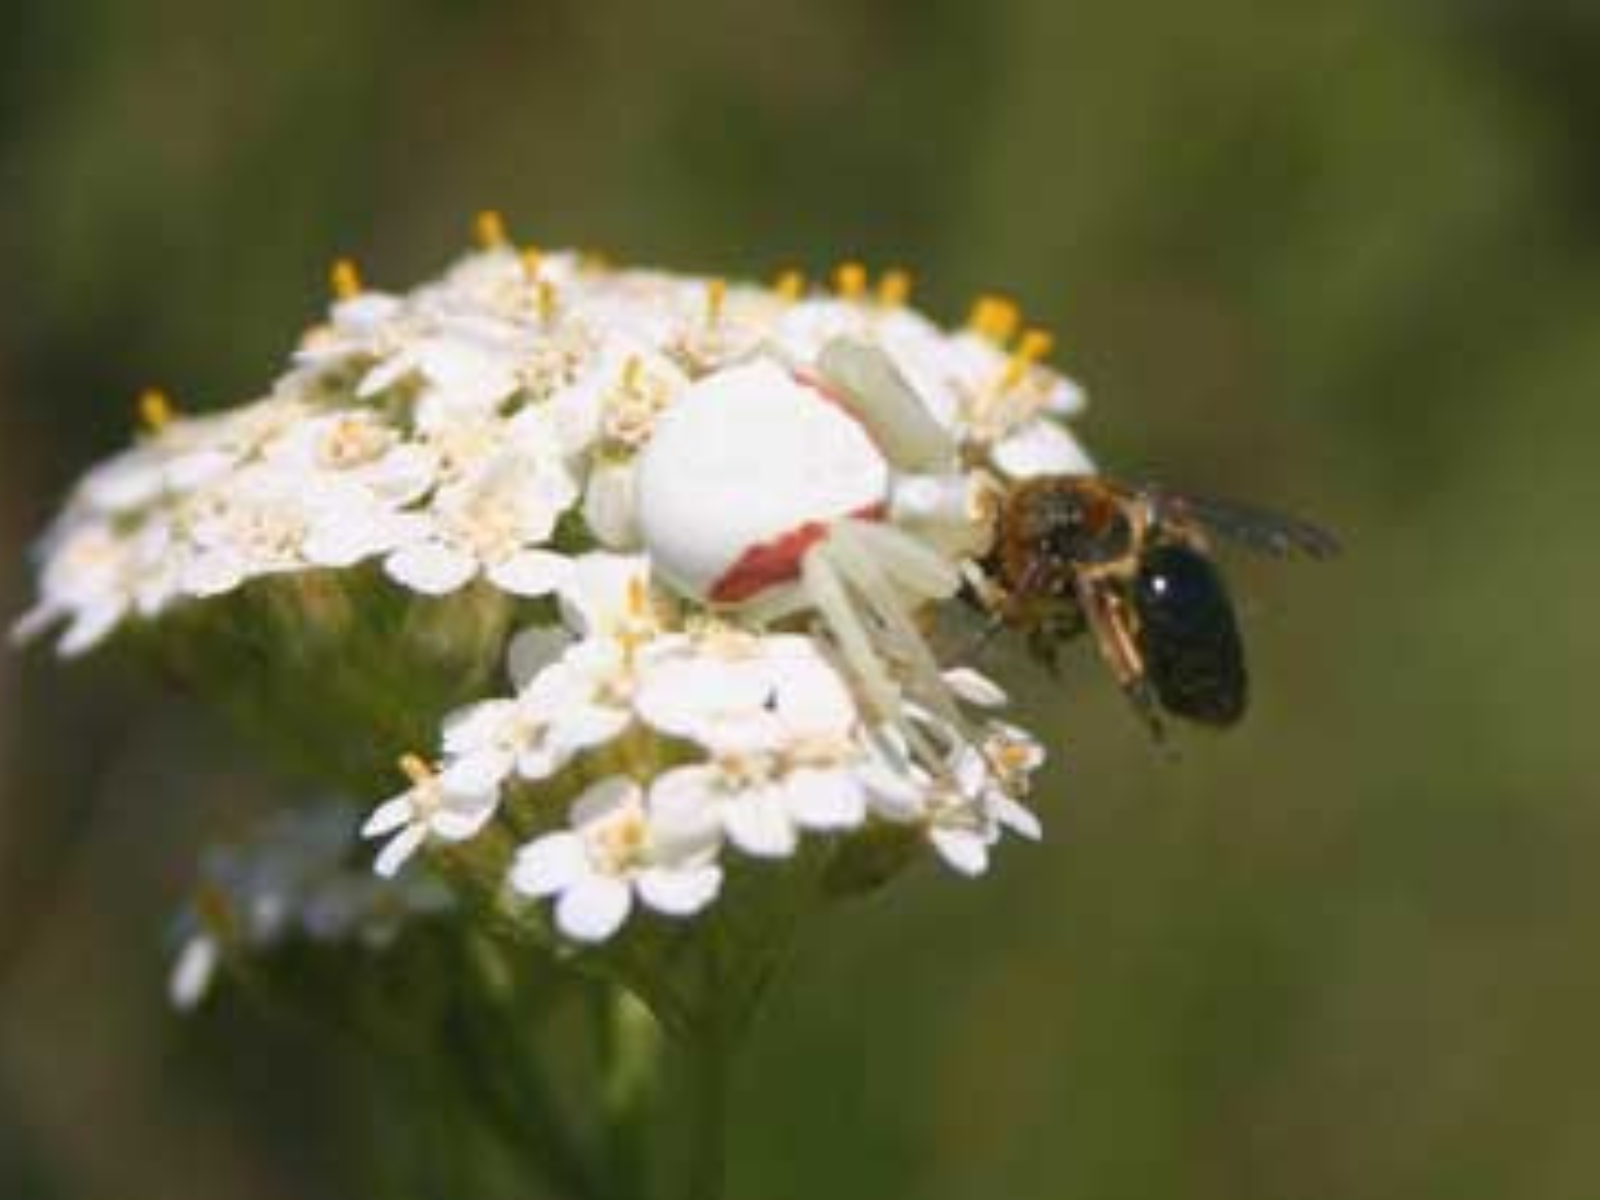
<point>630,1064</point>
<point>704,1064</point>
<point>512,1099</point>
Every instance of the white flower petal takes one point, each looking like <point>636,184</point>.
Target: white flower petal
<point>431,568</point>
<point>477,727</point>
<point>388,816</point>
<point>604,799</point>
<point>685,820</point>
<point>683,792</point>
<point>593,908</point>
<point>1041,447</point>
<point>465,817</point>
<point>609,506</point>
<point>1066,398</point>
<point>976,689</point>
<point>1020,820</point>
<point>698,697</point>
<point>963,849</point>
<point>385,375</point>
<point>541,762</point>
<point>588,725</point>
<point>531,573</point>
<point>34,622</point>
<point>348,534</point>
<point>550,864</point>
<point>759,825</point>
<point>91,626</point>
<point>399,849</point>
<point>895,794</point>
<point>215,573</point>
<point>193,972</point>
<point>677,892</point>
<point>477,773</point>
<point>825,800</point>
<point>601,588</point>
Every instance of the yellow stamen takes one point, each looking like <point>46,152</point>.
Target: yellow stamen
<point>894,289</point>
<point>995,318</point>
<point>1035,345</point>
<point>716,297</point>
<point>155,409</point>
<point>549,301</point>
<point>1013,757</point>
<point>638,601</point>
<point>790,285</point>
<point>594,260</point>
<point>415,769</point>
<point>631,371</point>
<point>850,278</point>
<point>344,279</point>
<point>531,259</point>
<point>489,230</point>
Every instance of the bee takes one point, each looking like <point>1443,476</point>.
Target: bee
<point>1132,565</point>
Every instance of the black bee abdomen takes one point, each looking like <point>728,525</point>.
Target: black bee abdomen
<point>1193,655</point>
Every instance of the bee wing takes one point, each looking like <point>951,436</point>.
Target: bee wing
<point>1257,529</point>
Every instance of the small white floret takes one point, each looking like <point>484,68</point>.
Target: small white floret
<point>619,847</point>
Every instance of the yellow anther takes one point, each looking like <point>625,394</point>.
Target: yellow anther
<point>1013,756</point>
<point>155,409</point>
<point>531,260</point>
<point>549,301</point>
<point>716,297</point>
<point>994,317</point>
<point>594,260</point>
<point>344,279</point>
<point>790,285</point>
<point>638,598</point>
<point>997,319</point>
<point>489,230</point>
<point>415,769</point>
<point>1034,346</point>
<point>894,289</point>
<point>850,278</point>
<point>631,372</point>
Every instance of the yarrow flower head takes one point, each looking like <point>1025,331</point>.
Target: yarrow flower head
<point>702,526</point>
<point>294,879</point>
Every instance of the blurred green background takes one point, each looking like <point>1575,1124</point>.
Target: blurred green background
<point>1343,257</point>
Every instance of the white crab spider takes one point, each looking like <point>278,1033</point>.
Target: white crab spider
<point>778,490</point>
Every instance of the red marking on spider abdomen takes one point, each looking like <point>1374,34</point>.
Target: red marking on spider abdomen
<point>769,563</point>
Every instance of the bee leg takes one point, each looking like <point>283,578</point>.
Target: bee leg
<point>1143,698</point>
<point>1108,621</point>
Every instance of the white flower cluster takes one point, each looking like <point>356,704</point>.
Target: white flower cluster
<point>291,880</point>
<point>767,743</point>
<point>446,432</point>
<point>743,499</point>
